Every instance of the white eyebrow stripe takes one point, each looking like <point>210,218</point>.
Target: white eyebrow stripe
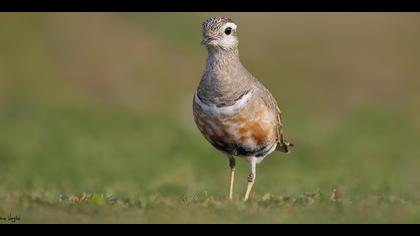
<point>232,25</point>
<point>225,110</point>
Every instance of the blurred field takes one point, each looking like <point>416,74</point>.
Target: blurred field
<point>96,123</point>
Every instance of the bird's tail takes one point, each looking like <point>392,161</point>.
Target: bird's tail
<point>283,145</point>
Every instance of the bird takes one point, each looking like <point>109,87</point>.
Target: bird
<point>234,111</point>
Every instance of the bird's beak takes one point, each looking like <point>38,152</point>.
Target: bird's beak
<point>207,39</point>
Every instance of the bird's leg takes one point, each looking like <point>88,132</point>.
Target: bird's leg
<point>252,162</point>
<point>232,164</point>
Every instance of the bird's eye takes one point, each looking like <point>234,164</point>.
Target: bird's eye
<point>228,30</point>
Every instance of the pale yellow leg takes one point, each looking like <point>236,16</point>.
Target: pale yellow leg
<point>251,181</point>
<point>232,165</point>
<point>251,177</point>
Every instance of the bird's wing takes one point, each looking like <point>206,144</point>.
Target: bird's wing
<point>271,102</point>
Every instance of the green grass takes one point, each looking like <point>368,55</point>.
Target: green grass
<point>315,207</point>
<point>96,123</point>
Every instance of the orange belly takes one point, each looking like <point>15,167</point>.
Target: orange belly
<point>249,132</point>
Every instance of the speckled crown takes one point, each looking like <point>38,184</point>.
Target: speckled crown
<point>213,24</point>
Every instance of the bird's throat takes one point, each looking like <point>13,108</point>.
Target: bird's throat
<point>224,79</point>
<point>223,61</point>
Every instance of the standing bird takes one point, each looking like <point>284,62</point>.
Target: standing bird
<point>232,109</point>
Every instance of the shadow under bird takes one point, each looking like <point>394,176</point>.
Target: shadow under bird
<point>231,108</point>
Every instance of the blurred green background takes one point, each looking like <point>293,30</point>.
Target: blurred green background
<point>101,102</point>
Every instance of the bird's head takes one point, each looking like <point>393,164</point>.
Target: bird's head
<point>219,32</point>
